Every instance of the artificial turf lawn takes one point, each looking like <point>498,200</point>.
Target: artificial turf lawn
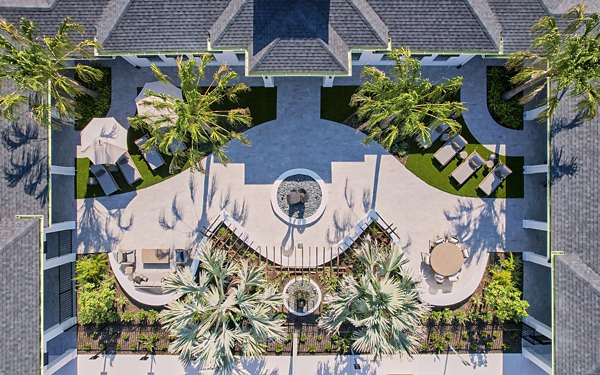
<point>261,101</point>
<point>335,106</point>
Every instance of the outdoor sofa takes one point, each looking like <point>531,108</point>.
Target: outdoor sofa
<point>471,164</point>
<point>491,182</point>
<point>128,169</point>
<point>105,179</point>
<point>151,155</point>
<point>434,134</point>
<point>449,150</point>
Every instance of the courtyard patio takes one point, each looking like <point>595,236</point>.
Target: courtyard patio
<point>358,180</point>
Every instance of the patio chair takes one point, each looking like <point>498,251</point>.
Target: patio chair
<point>465,253</point>
<point>426,257</point>
<point>453,278</point>
<point>453,240</point>
<point>139,278</point>
<point>151,155</point>
<point>439,279</point>
<point>125,257</point>
<point>128,169</point>
<point>106,180</point>
<point>496,176</point>
<point>467,168</point>
<point>438,240</point>
<point>434,134</point>
<point>449,150</point>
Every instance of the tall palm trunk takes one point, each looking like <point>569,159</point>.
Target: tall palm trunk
<point>85,90</point>
<point>524,86</point>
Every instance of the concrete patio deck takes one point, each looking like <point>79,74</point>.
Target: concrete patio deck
<point>174,213</point>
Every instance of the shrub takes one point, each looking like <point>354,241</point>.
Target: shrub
<point>278,349</point>
<point>335,337</point>
<point>102,346</point>
<point>86,347</point>
<point>473,347</point>
<point>319,338</point>
<point>328,347</point>
<point>94,335</point>
<point>436,316</point>
<point>489,344</point>
<point>152,316</point>
<point>458,346</point>
<point>133,346</point>
<point>465,336</point>
<point>125,336</point>
<point>127,317</point>
<point>118,346</point>
<point>122,303</point>
<point>91,269</point>
<point>447,316</point>
<point>461,317</point>
<point>87,107</point>
<point>502,294</point>
<point>303,338</point>
<point>496,334</point>
<point>282,316</point>
<point>508,113</point>
<point>312,349</point>
<point>164,347</point>
<point>96,303</point>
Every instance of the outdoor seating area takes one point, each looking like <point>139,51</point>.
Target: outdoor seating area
<point>491,182</point>
<point>434,134</point>
<point>446,258</point>
<point>449,150</point>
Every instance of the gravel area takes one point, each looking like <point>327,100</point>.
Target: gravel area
<point>295,183</point>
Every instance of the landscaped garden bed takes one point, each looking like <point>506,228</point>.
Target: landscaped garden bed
<point>335,106</point>
<point>508,113</point>
<point>88,107</point>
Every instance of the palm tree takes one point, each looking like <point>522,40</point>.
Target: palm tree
<point>405,104</point>
<point>567,56</point>
<point>195,119</point>
<point>35,73</point>
<point>230,307</point>
<point>381,304</point>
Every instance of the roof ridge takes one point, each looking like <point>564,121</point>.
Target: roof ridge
<point>371,19</point>
<point>581,270</point>
<point>260,55</point>
<point>337,39</point>
<point>487,19</point>
<point>225,19</point>
<point>116,8</point>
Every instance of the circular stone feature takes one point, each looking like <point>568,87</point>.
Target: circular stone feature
<point>301,297</point>
<point>299,197</point>
<point>304,194</point>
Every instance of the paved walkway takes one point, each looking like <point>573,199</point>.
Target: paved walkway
<point>482,364</point>
<point>174,212</point>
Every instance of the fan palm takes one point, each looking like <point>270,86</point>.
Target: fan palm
<point>194,120</point>
<point>381,304</point>
<point>229,307</point>
<point>405,104</point>
<point>34,71</point>
<point>569,57</point>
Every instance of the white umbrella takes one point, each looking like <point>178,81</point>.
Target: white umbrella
<point>144,103</point>
<point>103,140</point>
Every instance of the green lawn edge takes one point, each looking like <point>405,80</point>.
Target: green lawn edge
<point>262,102</point>
<point>335,106</point>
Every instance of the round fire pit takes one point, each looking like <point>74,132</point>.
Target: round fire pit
<point>298,197</point>
<point>301,297</point>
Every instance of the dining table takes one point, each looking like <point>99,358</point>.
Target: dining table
<point>446,259</point>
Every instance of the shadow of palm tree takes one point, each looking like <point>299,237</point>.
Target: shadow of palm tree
<point>94,231</point>
<point>561,167</point>
<point>341,226</point>
<point>26,164</point>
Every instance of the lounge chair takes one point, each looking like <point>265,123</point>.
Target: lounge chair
<point>104,178</point>
<point>128,169</point>
<point>467,168</point>
<point>151,155</point>
<point>434,134</point>
<point>449,150</point>
<point>177,146</point>
<point>496,176</point>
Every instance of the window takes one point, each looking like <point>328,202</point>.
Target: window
<point>240,56</point>
<point>183,57</point>
<point>356,56</point>
<point>152,58</point>
<point>444,57</point>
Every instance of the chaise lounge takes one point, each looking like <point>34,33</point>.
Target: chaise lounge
<point>449,150</point>
<point>491,182</point>
<point>434,134</point>
<point>467,168</point>
<point>151,155</point>
<point>128,169</point>
<point>105,179</point>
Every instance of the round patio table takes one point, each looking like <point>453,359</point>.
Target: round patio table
<point>446,259</point>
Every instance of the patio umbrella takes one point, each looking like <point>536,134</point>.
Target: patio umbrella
<point>103,140</point>
<point>144,106</point>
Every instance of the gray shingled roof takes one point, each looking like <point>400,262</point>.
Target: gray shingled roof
<point>441,25</point>
<point>23,191</point>
<point>575,209</point>
<point>577,316</point>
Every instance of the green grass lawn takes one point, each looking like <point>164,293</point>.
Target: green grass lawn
<point>335,106</point>
<point>261,101</point>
